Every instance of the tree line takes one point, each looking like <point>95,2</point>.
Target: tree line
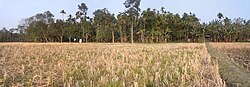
<point>132,25</point>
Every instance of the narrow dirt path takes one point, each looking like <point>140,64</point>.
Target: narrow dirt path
<point>233,74</point>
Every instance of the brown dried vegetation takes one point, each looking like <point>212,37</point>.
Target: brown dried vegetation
<point>239,52</point>
<point>96,64</point>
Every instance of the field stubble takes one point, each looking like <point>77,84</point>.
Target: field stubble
<point>97,64</point>
<point>239,52</point>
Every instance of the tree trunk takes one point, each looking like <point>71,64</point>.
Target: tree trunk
<point>43,32</point>
<point>58,39</point>
<point>82,32</point>
<point>142,37</point>
<point>113,36</point>
<point>152,38</point>
<point>132,32</point>
<point>166,38</point>
<point>69,39</point>
<point>61,38</point>
<point>97,31</point>
<point>121,34</point>
<point>186,35</point>
<point>86,38</point>
<point>125,39</point>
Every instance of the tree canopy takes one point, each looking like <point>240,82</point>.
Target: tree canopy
<point>131,25</point>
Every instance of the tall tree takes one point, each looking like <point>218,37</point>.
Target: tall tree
<point>82,15</point>
<point>62,26</point>
<point>113,26</point>
<point>133,12</point>
<point>63,13</point>
<point>164,25</point>
<point>122,26</point>
<point>220,15</point>
<point>4,35</point>
<point>105,22</point>
<point>70,27</point>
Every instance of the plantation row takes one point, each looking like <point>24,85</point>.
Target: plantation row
<point>132,25</point>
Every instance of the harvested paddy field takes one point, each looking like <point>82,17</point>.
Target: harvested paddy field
<point>99,64</point>
<point>233,60</point>
<point>239,52</point>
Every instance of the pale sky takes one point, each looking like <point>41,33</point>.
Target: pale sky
<point>12,11</point>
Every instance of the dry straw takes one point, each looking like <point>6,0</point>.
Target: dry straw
<point>95,65</point>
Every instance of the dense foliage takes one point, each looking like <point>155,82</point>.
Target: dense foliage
<point>132,25</point>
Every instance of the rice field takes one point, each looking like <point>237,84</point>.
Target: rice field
<point>239,52</point>
<point>105,64</point>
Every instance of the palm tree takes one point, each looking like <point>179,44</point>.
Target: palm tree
<point>63,13</point>
<point>166,34</point>
<point>141,28</point>
<point>220,15</point>
<point>133,11</point>
<point>113,26</point>
<point>82,15</point>
<point>121,23</point>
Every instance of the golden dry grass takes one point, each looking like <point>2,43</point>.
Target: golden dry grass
<point>99,64</point>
